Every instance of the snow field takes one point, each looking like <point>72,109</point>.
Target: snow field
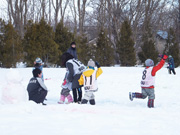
<point>113,113</point>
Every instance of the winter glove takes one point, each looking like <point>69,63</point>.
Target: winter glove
<point>97,64</point>
<point>64,83</point>
<point>165,57</point>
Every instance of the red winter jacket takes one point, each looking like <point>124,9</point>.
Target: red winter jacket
<point>155,69</point>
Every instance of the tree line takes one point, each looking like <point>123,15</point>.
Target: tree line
<point>112,31</point>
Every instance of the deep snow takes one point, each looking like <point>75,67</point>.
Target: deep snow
<point>113,113</point>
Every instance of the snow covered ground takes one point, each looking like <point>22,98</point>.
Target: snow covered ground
<point>113,114</point>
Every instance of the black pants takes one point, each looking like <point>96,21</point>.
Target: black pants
<point>75,91</point>
<point>172,71</point>
<point>38,97</point>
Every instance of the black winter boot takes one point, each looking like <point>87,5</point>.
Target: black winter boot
<point>92,102</point>
<point>84,101</point>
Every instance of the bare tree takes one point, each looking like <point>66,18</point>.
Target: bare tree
<point>179,22</point>
<point>58,6</point>
<point>81,11</point>
<point>43,7</point>
<point>49,12</point>
<point>74,14</point>
<point>17,11</point>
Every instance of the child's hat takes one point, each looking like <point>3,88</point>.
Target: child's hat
<point>73,43</point>
<point>149,63</point>
<point>170,56</point>
<point>38,60</point>
<point>91,63</point>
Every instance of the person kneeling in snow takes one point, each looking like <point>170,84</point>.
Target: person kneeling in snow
<point>36,88</point>
<point>89,80</point>
<point>65,92</point>
<point>148,81</point>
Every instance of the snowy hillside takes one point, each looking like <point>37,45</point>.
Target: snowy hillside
<point>113,114</point>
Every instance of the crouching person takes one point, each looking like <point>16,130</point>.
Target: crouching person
<point>36,88</point>
<point>89,80</point>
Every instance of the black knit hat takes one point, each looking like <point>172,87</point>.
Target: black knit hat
<point>65,57</point>
<point>73,43</point>
<point>36,72</point>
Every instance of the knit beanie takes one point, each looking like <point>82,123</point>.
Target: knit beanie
<point>170,56</point>
<point>65,57</point>
<point>73,43</point>
<point>149,63</point>
<point>38,60</point>
<point>91,63</point>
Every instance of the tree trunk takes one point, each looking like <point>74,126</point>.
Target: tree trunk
<point>49,12</point>
<point>81,11</point>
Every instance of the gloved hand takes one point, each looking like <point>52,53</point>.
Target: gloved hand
<point>97,64</point>
<point>165,57</point>
<point>160,55</point>
<point>64,83</point>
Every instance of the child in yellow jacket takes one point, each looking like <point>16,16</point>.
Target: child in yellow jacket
<point>89,80</point>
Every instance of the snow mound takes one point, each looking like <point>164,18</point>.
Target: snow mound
<point>13,91</point>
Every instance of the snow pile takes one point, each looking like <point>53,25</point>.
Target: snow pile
<point>13,91</point>
<point>20,65</point>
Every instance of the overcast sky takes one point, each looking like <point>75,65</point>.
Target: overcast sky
<point>3,12</point>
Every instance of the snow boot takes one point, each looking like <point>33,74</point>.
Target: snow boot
<point>84,101</point>
<point>69,97</point>
<point>43,103</point>
<point>92,102</point>
<point>62,99</point>
<point>151,103</point>
<point>131,96</point>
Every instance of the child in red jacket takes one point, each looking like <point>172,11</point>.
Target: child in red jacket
<point>148,81</point>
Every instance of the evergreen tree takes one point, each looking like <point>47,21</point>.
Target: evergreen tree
<point>125,46</point>
<point>104,51</point>
<point>11,46</point>
<point>32,47</point>
<point>148,46</point>
<point>39,42</point>
<point>63,37</point>
<point>50,47</point>
<point>83,49</point>
<point>171,47</point>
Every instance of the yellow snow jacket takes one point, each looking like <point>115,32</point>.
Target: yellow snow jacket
<point>88,73</point>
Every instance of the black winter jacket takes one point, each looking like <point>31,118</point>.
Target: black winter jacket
<point>34,88</point>
<point>72,51</point>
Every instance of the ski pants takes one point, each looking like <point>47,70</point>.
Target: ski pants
<point>65,92</point>
<point>172,71</point>
<point>75,91</point>
<point>148,92</point>
<point>38,97</point>
<point>88,95</point>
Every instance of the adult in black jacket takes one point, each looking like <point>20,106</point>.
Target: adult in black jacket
<point>36,88</point>
<point>75,69</point>
<point>72,50</point>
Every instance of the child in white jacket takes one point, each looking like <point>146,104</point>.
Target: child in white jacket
<point>89,80</point>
